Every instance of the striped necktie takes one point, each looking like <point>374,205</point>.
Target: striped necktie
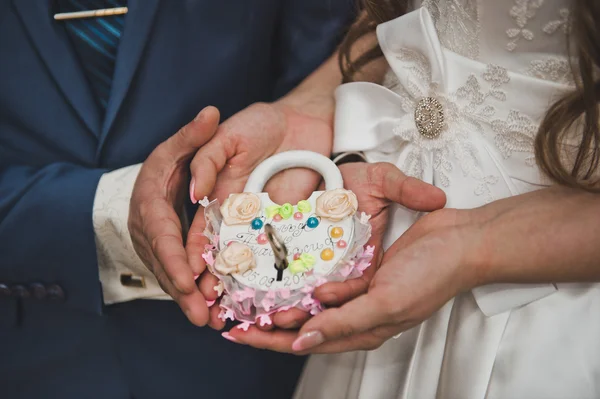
<point>96,41</point>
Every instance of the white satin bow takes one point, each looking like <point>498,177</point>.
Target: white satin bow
<point>485,147</point>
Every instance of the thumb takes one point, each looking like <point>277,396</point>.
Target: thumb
<point>410,192</point>
<point>208,162</point>
<point>194,135</point>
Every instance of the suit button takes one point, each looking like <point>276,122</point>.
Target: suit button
<point>38,291</point>
<point>19,291</point>
<point>4,291</point>
<point>55,291</point>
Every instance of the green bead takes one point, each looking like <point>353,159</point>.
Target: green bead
<point>308,260</point>
<point>286,211</point>
<point>296,267</point>
<point>304,206</point>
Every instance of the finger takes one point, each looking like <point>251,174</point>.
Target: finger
<point>208,162</point>
<point>194,135</point>
<point>193,305</point>
<point>292,185</point>
<point>162,229</point>
<point>208,282</point>
<point>368,340</point>
<point>275,340</point>
<point>264,326</point>
<point>282,340</point>
<point>195,308</point>
<point>214,321</point>
<point>195,243</point>
<point>357,316</point>
<point>291,319</point>
<point>408,191</point>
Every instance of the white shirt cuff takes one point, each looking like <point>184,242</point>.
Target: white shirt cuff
<point>123,275</point>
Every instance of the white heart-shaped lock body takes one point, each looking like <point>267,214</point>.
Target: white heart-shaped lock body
<point>270,257</point>
<point>315,232</point>
<point>315,242</point>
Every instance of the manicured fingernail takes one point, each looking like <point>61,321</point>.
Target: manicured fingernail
<point>210,303</point>
<point>192,191</point>
<point>308,340</point>
<point>228,337</point>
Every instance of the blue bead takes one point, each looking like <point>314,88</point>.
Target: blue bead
<point>257,224</point>
<point>312,222</point>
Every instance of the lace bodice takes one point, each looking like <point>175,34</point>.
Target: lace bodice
<point>466,95</point>
<point>523,36</point>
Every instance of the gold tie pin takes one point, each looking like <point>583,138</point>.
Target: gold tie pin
<point>104,12</point>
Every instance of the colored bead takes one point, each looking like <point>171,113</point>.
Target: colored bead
<point>308,260</point>
<point>312,222</point>
<point>262,239</point>
<point>277,218</point>
<point>286,211</point>
<point>342,244</point>
<point>298,216</point>
<point>337,232</point>
<point>296,256</point>
<point>257,224</point>
<point>327,254</point>
<point>304,206</point>
<point>296,267</point>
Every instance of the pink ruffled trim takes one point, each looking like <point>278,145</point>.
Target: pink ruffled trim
<point>250,307</point>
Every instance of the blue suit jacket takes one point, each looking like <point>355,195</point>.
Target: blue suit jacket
<point>175,57</point>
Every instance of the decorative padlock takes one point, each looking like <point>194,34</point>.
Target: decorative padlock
<point>270,257</point>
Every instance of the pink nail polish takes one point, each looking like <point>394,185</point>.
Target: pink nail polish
<point>192,191</point>
<point>308,340</point>
<point>228,337</point>
<point>210,303</point>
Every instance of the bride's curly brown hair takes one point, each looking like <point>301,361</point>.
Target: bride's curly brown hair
<point>578,109</point>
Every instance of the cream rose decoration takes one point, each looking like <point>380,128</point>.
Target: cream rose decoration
<point>240,208</point>
<point>336,204</point>
<point>236,258</point>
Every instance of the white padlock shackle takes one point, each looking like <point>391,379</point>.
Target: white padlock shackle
<point>294,159</point>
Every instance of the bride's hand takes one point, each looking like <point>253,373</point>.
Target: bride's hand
<point>427,266</point>
<point>376,186</point>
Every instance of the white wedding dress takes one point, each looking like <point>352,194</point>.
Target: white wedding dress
<point>494,67</point>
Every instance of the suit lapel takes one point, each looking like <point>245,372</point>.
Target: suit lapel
<point>138,22</point>
<point>54,48</point>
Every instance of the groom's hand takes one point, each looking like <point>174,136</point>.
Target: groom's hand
<point>154,224</point>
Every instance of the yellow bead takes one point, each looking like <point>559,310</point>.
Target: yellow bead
<point>327,254</point>
<point>337,232</point>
